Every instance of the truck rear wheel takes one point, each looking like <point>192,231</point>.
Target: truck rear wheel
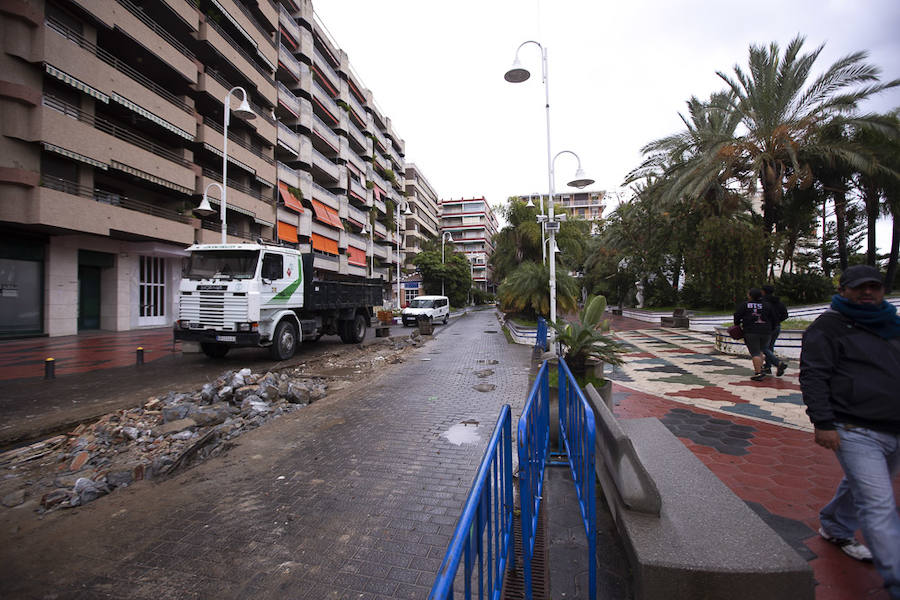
<point>284,342</point>
<point>353,331</point>
<point>213,350</point>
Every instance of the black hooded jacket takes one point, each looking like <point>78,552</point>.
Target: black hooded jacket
<point>849,374</point>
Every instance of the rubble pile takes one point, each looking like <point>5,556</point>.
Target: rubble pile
<point>170,432</point>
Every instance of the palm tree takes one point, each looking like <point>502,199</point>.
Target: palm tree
<point>781,109</point>
<point>527,289</point>
<point>518,241</point>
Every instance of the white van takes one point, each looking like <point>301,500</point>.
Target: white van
<point>437,308</point>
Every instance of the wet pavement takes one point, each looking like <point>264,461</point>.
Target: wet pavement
<point>358,496</point>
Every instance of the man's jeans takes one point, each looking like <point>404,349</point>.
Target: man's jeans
<point>769,351</point>
<point>865,498</point>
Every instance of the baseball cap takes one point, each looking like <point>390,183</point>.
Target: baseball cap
<point>857,275</point>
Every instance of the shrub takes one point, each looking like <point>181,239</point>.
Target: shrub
<point>805,288</point>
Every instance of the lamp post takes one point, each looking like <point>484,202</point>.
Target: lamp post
<point>517,74</point>
<point>444,236</point>
<point>370,264</point>
<point>245,112</point>
<point>406,213</point>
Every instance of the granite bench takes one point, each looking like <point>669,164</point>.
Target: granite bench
<point>687,535</point>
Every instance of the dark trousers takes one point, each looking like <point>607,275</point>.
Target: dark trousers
<point>769,349</point>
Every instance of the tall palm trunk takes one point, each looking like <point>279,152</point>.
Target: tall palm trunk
<point>871,196</point>
<point>825,268</point>
<point>895,246</point>
<point>771,176</point>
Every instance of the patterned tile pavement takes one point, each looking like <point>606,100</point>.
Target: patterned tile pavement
<point>753,435</point>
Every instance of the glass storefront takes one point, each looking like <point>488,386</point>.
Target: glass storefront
<point>21,287</point>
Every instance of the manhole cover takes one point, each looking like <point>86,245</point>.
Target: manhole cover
<point>485,387</point>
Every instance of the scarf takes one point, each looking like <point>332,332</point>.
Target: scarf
<point>881,319</point>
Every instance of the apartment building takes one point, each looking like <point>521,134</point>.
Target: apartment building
<point>473,224</point>
<point>111,115</point>
<point>424,223</point>
<point>584,205</point>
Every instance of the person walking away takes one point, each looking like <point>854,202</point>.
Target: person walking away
<point>756,318</point>
<point>850,377</point>
<point>781,314</point>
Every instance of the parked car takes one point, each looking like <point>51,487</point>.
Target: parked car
<point>437,308</point>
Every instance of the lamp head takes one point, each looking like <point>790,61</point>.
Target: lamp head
<point>244,111</point>
<point>407,212</point>
<point>517,73</point>
<point>581,180</point>
<point>204,210</point>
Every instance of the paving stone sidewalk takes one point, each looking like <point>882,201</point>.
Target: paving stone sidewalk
<point>351,497</point>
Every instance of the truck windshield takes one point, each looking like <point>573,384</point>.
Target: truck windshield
<point>222,264</point>
<point>421,303</point>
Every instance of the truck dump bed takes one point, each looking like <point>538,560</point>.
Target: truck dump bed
<point>338,294</point>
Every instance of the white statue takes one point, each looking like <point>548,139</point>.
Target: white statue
<point>639,296</point>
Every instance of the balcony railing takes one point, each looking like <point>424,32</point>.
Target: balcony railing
<point>231,229</point>
<point>325,99</point>
<point>126,135</point>
<point>288,98</point>
<point>117,64</point>
<point>215,176</point>
<point>320,62</point>
<point>156,28</point>
<point>232,137</point>
<point>356,214</point>
<point>325,163</point>
<point>285,18</point>
<point>290,61</point>
<point>120,200</point>
<point>224,83</point>
<point>237,48</point>
<point>323,195</point>
<point>291,138</point>
<point>327,134</point>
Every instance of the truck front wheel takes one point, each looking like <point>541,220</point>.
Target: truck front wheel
<point>214,350</point>
<point>284,342</point>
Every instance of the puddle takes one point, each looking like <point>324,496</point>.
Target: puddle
<point>461,434</point>
<point>484,373</point>
<point>485,387</point>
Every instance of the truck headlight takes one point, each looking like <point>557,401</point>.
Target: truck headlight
<point>248,326</point>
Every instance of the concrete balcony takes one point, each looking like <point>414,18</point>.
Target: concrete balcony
<point>252,159</point>
<point>212,83</point>
<point>356,136</point>
<point>240,198</point>
<point>324,131</point>
<point>381,230</point>
<point>379,251</point>
<point>213,35</point>
<point>325,197</point>
<point>355,214</point>
<point>306,184</point>
<point>287,99</point>
<point>326,262</point>
<point>186,11</point>
<point>290,64</point>
<point>73,55</point>
<point>358,189</point>
<point>326,70</point>
<point>288,175</point>
<point>325,165</point>
<point>249,29</point>
<point>289,139</point>
<point>131,20</point>
<point>326,102</point>
<point>288,24</point>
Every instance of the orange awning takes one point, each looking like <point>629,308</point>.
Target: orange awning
<point>324,244</point>
<point>290,200</point>
<point>327,215</point>
<point>355,256</point>
<point>287,232</point>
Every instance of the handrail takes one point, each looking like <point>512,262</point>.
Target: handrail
<point>255,150</point>
<point>114,62</point>
<point>237,48</point>
<point>484,532</point>
<point>533,440</point>
<point>158,29</point>
<point>71,187</point>
<point>577,432</point>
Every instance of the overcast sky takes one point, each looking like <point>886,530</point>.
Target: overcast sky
<point>619,74</point>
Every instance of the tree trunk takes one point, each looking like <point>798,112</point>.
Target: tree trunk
<point>871,197</point>
<point>895,247</point>
<point>771,176</point>
<point>825,268</point>
<point>840,217</point>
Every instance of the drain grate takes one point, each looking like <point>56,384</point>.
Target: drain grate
<point>513,586</point>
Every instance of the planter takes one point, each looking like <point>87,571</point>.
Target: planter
<point>426,327</point>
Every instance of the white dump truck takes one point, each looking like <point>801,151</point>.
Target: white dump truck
<point>234,295</point>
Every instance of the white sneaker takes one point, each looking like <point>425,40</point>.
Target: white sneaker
<point>849,546</point>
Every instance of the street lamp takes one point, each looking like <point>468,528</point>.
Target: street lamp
<point>406,213</point>
<point>370,262</point>
<point>444,236</point>
<point>517,74</point>
<point>244,112</point>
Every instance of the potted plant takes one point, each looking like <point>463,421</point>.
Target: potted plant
<point>587,338</point>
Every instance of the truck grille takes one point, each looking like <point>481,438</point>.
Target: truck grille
<point>214,310</point>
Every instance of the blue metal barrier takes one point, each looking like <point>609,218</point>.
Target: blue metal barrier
<point>484,532</point>
<point>533,439</point>
<point>540,339</point>
<point>578,433</point>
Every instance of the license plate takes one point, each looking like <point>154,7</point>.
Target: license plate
<point>226,338</point>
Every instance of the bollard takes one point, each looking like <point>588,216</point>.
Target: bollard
<point>140,355</point>
<point>50,368</point>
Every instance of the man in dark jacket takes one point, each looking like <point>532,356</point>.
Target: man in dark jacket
<point>850,378</point>
<point>781,314</point>
<point>756,319</point>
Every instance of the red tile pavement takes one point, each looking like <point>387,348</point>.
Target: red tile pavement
<point>788,475</point>
<point>712,392</point>
<point>83,352</point>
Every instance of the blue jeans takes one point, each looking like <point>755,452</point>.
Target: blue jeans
<point>865,498</point>
<point>769,351</point>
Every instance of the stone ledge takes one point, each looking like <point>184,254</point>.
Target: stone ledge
<point>706,542</point>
